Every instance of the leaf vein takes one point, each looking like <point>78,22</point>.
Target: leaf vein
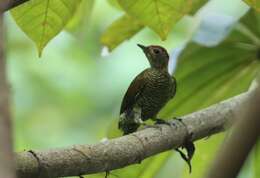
<point>44,25</point>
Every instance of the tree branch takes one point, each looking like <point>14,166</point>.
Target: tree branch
<point>235,150</point>
<point>129,149</point>
<point>9,4</point>
<point>6,151</point>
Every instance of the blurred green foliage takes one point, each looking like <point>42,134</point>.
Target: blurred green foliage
<point>73,93</point>
<point>254,3</point>
<point>123,28</point>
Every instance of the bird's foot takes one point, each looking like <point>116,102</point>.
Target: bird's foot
<point>190,149</point>
<point>177,119</point>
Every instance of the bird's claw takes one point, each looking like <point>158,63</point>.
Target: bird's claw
<point>178,119</point>
<point>161,121</point>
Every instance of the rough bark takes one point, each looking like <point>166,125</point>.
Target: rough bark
<point>130,149</point>
<point>9,4</point>
<point>6,155</point>
<point>235,150</point>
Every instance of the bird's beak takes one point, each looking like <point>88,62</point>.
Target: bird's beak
<point>144,48</point>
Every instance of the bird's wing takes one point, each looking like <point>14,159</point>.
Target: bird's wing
<point>174,86</point>
<point>133,92</point>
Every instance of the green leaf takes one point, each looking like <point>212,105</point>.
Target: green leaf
<point>197,4</point>
<point>81,17</point>
<point>126,27</point>
<point>115,4</point>
<point>250,27</point>
<point>206,76</point>
<point>120,30</point>
<point>254,3</point>
<point>256,159</point>
<point>159,15</point>
<point>42,20</point>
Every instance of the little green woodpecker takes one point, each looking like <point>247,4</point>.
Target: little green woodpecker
<point>148,92</point>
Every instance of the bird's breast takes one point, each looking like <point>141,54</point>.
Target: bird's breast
<point>158,91</point>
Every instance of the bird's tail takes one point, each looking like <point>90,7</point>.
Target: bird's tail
<point>126,124</point>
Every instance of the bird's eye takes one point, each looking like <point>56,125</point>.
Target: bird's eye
<point>156,51</point>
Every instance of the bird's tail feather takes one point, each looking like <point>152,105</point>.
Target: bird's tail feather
<point>126,124</point>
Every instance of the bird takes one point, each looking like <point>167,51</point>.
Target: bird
<point>149,92</point>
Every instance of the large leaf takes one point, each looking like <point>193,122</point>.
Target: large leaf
<point>197,4</point>
<point>81,17</point>
<point>251,27</point>
<point>42,20</point>
<point>211,75</point>
<point>256,159</point>
<point>127,26</point>
<point>115,4</point>
<point>122,29</point>
<point>159,15</point>
<point>254,3</point>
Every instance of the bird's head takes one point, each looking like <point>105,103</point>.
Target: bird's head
<point>158,56</point>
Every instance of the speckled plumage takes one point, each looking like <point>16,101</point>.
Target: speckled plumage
<point>160,88</point>
<point>148,92</point>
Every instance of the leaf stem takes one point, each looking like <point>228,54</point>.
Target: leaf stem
<point>248,33</point>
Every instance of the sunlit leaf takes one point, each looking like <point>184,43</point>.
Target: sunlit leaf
<point>115,4</point>
<point>206,69</point>
<point>120,30</point>
<point>115,34</point>
<point>256,159</point>
<point>159,15</point>
<point>81,17</point>
<point>254,3</point>
<point>42,20</point>
<point>196,5</point>
<point>251,26</point>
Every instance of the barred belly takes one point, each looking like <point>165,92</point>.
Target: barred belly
<point>160,89</point>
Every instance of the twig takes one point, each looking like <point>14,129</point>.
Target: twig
<point>6,5</point>
<point>6,156</point>
<point>127,150</point>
